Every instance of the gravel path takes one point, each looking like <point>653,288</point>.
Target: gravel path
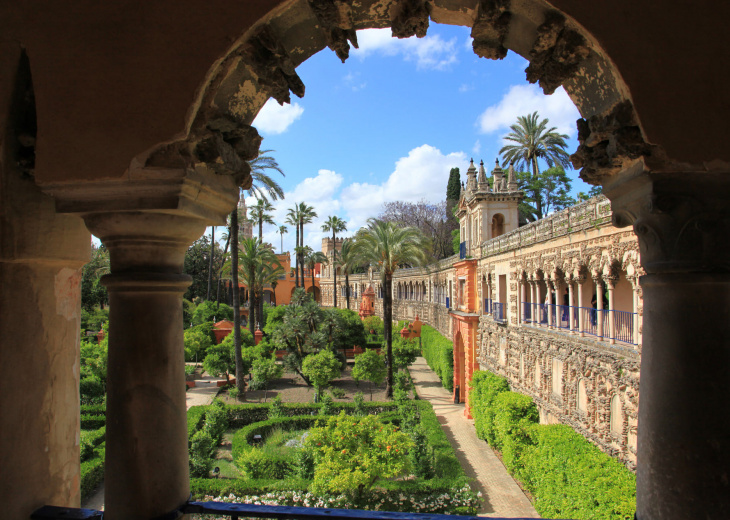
<point>501,494</point>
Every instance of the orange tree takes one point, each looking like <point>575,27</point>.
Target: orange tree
<point>352,453</point>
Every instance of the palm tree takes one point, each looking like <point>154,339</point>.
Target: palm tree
<point>292,217</point>
<point>336,225</point>
<point>534,141</point>
<point>387,246</point>
<point>282,230</point>
<point>306,216</point>
<point>261,213</point>
<point>346,263</point>
<point>311,259</point>
<point>210,263</point>
<point>262,186</point>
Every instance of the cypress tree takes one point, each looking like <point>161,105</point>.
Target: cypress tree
<point>453,188</point>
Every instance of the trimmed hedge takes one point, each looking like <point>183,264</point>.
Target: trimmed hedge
<point>566,474</point>
<point>571,478</point>
<point>241,415</point>
<point>485,386</point>
<point>92,422</point>
<point>196,419</point>
<point>92,473</point>
<point>90,439</point>
<point>439,354</point>
<point>93,409</point>
<point>244,437</point>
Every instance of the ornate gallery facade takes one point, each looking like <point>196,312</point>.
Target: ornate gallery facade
<point>524,303</point>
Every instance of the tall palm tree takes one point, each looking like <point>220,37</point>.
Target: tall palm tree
<point>336,225</point>
<point>346,263</point>
<point>260,213</point>
<point>282,230</point>
<point>262,186</point>
<point>311,259</point>
<point>306,216</point>
<point>292,217</point>
<point>535,141</point>
<point>210,263</point>
<point>386,247</point>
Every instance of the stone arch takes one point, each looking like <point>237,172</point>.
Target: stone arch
<point>497,225</point>
<point>616,416</point>
<point>459,364</point>
<point>581,397</point>
<point>315,292</point>
<point>262,63</point>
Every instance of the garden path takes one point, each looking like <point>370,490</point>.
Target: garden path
<point>501,494</point>
<point>202,393</point>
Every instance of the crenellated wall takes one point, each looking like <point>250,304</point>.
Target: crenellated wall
<point>579,373</point>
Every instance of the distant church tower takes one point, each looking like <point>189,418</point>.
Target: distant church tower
<point>486,212</point>
<point>244,224</point>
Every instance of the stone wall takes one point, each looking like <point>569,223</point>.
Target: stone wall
<point>575,376</point>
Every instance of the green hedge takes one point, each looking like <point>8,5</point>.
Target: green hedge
<point>485,386</point>
<point>241,415</point>
<point>92,473</point>
<point>566,474</point>
<point>439,354</point>
<point>90,439</point>
<point>571,478</point>
<point>93,409</point>
<point>244,437</point>
<point>196,419</point>
<point>92,422</point>
<point>446,464</point>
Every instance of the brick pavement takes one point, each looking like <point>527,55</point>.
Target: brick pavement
<point>502,496</point>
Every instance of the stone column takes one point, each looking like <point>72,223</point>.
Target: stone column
<point>611,315</point>
<point>682,222</point>
<point>522,302</point>
<point>549,300</point>
<point>571,321</point>
<point>599,307</point>
<point>539,303</point>
<point>581,312</point>
<point>635,306</point>
<point>41,256</point>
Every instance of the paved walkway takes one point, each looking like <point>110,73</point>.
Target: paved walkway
<point>501,494</point>
<point>202,393</point>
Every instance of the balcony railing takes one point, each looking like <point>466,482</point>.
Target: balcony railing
<point>596,322</point>
<point>487,309</point>
<point>498,312</point>
<point>236,511</point>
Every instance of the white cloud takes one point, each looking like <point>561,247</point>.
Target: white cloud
<point>430,52</point>
<point>422,174</point>
<point>276,119</point>
<point>477,147</point>
<point>522,100</point>
<point>466,87</point>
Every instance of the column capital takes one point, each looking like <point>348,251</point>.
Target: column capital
<point>682,219</point>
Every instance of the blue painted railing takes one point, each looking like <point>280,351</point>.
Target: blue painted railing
<point>487,306</point>
<point>462,251</point>
<point>498,312</point>
<point>623,321</point>
<point>447,303</point>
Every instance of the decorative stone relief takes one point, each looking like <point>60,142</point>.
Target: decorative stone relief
<point>335,17</point>
<point>410,18</point>
<point>609,143</point>
<point>556,53</point>
<point>268,60</point>
<point>490,29</point>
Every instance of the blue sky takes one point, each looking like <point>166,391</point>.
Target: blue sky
<point>392,121</point>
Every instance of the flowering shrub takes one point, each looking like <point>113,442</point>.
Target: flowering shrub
<point>351,453</point>
<point>458,499</point>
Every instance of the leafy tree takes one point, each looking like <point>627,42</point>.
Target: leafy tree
<point>595,191</point>
<point>221,359</point>
<point>211,312</point>
<point>436,221</point>
<point>352,453</point>
<point>552,189</point>
<point>455,240</point>
<point>373,323</point>
<point>274,319</point>
<point>263,371</point>
<point>369,366</point>
<point>336,225</point>
<point>292,217</point>
<point>93,293</point>
<point>453,188</point>
<point>405,352</point>
<point>388,247</point>
<point>535,141</point>
<point>197,264</point>
<point>196,343</point>
<point>350,331</point>
<point>321,368</point>
<point>306,328</point>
